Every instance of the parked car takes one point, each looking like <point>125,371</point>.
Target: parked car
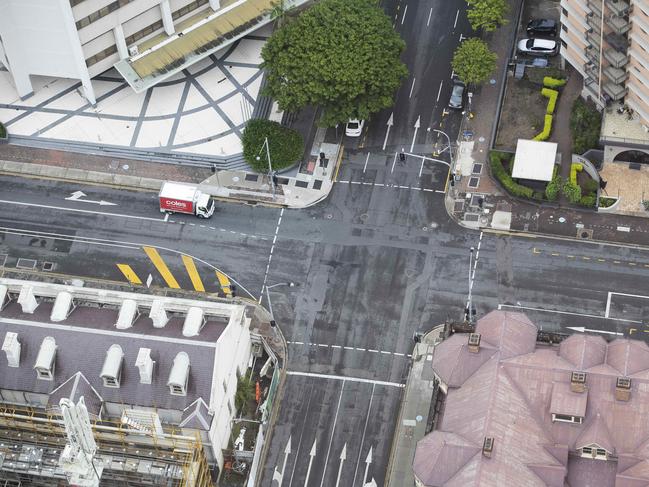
<point>354,127</point>
<point>542,27</point>
<point>457,95</point>
<point>538,47</point>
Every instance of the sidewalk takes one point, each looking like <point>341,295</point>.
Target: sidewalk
<point>414,419</point>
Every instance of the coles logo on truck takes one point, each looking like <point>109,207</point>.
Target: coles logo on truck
<point>176,204</point>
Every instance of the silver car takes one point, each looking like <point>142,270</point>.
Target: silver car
<point>457,95</point>
<point>538,47</point>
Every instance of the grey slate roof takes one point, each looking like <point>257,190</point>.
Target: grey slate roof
<point>82,341</point>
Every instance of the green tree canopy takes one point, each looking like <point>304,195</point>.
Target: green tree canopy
<point>341,55</point>
<point>285,145</point>
<point>487,14</point>
<point>473,62</point>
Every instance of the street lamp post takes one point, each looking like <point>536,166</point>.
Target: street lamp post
<point>271,174</point>
<point>270,305</point>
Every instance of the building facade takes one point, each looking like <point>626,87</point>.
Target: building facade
<point>148,40</point>
<point>158,376</point>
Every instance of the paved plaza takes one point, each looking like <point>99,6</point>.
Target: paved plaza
<point>198,114</point>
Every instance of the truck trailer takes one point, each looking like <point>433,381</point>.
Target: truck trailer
<point>185,198</point>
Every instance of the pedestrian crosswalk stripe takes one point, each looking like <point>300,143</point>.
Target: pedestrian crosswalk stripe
<point>193,273</point>
<point>129,273</point>
<point>162,267</point>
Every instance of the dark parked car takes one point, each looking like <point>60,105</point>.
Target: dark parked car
<point>542,27</point>
<point>457,95</point>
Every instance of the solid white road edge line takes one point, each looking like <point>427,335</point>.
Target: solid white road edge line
<point>348,379</point>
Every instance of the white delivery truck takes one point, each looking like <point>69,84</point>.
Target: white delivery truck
<point>185,198</point>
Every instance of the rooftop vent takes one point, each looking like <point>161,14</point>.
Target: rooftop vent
<point>578,381</point>
<point>112,370</point>
<point>27,300</point>
<point>194,322</point>
<point>158,314</point>
<point>11,347</point>
<point>63,306</point>
<point>179,375</point>
<point>128,314</point>
<point>488,446</point>
<point>45,360</point>
<point>623,389</point>
<point>144,365</point>
<point>474,342</point>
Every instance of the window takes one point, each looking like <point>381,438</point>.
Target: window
<point>143,32</point>
<point>110,382</point>
<point>564,27</point>
<point>102,12</point>
<point>188,8</point>
<point>44,374</point>
<point>177,390</point>
<point>101,55</point>
<point>563,43</point>
<point>587,450</point>
<point>75,2</point>
<point>565,418</point>
<point>225,386</point>
<point>564,12</point>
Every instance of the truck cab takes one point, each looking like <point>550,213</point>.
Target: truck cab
<point>204,206</point>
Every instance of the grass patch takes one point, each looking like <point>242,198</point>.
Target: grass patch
<point>585,126</point>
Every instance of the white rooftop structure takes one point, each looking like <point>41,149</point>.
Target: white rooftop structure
<point>45,359</point>
<point>111,370</point>
<point>534,160</point>
<point>62,306</point>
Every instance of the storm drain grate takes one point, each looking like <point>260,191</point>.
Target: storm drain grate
<point>476,200</point>
<point>252,177</point>
<point>471,217</point>
<point>458,206</point>
<point>474,182</point>
<point>29,264</point>
<point>48,266</point>
<point>477,168</point>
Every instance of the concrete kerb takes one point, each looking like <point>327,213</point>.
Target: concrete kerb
<point>416,355</point>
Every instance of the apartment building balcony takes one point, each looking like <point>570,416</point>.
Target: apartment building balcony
<point>595,8</point>
<point>592,55</point>
<point>615,75</point>
<point>615,91</point>
<point>592,71</point>
<point>616,41</point>
<point>593,38</point>
<point>619,25</point>
<point>196,41</point>
<point>618,7</point>
<point>617,59</point>
<point>594,23</point>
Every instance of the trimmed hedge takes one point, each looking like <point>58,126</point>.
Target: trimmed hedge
<point>550,82</point>
<point>605,202</point>
<point>506,180</point>
<point>552,96</point>
<point>3,131</point>
<point>553,188</point>
<point>572,192</point>
<point>574,169</point>
<point>285,145</point>
<point>588,201</point>
<point>547,129</point>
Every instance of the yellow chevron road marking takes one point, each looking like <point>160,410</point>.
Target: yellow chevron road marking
<point>162,267</point>
<point>129,273</point>
<point>193,273</point>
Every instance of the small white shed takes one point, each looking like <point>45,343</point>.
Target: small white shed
<point>534,160</point>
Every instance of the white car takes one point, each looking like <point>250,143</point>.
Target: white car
<point>354,127</point>
<point>538,47</point>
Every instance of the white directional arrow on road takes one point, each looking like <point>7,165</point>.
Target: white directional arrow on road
<point>372,483</point>
<point>390,124</point>
<point>417,125</point>
<point>308,470</point>
<point>279,476</point>
<point>583,330</point>
<point>368,460</point>
<point>77,195</point>
<point>343,457</point>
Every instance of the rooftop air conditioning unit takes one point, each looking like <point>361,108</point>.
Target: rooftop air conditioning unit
<point>145,365</point>
<point>11,347</point>
<point>133,50</point>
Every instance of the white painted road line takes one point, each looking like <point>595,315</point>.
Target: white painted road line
<point>457,14</point>
<point>569,313</point>
<point>610,296</point>
<point>346,379</point>
<point>404,14</point>
<point>430,14</point>
<point>366,159</point>
<point>333,430</point>
<point>78,210</point>
<point>412,87</point>
<point>439,92</point>
<point>394,162</point>
<point>367,418</point>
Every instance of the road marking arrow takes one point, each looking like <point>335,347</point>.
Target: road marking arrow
<point>77,195</point>
<point>583,330</point>
<point>372,483</point>
<point>279,476</point>
<point>368,461</point>
<point>417,125</point>
<point>343,457</point>
<point>308,470</point>
<point>387,132</point>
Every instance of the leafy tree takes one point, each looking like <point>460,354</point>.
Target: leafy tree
<point>284,144</point>
<point>572,191</point>
<point>553,188</point>
<point>342,55</point>
<point>487,15</point>
<point>245,393</point>
<point>585,125</point>
<point>473,61</point>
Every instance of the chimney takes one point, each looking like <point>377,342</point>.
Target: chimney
<point>623,389</point>
<point>145,365</point>
<point>578,382</point>
<point>488,446</point>
<point>158,314</point>
<point>27,300</point>
<point>474,342</point>
<point>11,347</point>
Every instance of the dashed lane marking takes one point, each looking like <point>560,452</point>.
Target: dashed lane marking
<point>538,252</point>
<point>129,273</point>
<point>396,186</point>
<point>356,349</point>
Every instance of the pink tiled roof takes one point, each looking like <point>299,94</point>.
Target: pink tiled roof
<point>453,362</point>
<point>509,397</point>
<point>564,401</point>
<point>444,454</point>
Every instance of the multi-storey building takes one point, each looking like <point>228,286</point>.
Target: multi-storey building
<point>607,41</point>
<point>158,375</point>
<point>146,40</point>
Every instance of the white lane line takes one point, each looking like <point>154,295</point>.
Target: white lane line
<point>412,87</point>
<point>439,92</point>
<point>610,298</point>
<point>421,168</point>
<point>333,430</point>
<point>404,14</point>
<point>457,14</point>
<point>270,256</point>
<point>367,418</point>
<point>372,350</point>
<point>430,14</point>
<point>366,159</point>
<point>78,210</point>
<point>393,163</point>
<point>346,379</point>
<point>569,313</point>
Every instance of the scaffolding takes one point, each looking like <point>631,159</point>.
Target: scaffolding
<point>31,441</point>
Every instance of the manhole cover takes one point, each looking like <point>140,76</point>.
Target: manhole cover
<point>481,139</point>
<point>474,182</point>
<point>125,167</point>
<point>329,216</point>
<point>434,225</point>
<point>492,81</point>
<point>364,216</point>
<point>562,220</point>
<point>410,272</point>
<point>471,217</point>
<point>477,168</point>
<point>235,179</point>
<point>425,229</point>
<point>458,206</point>
<point>48,266</point>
